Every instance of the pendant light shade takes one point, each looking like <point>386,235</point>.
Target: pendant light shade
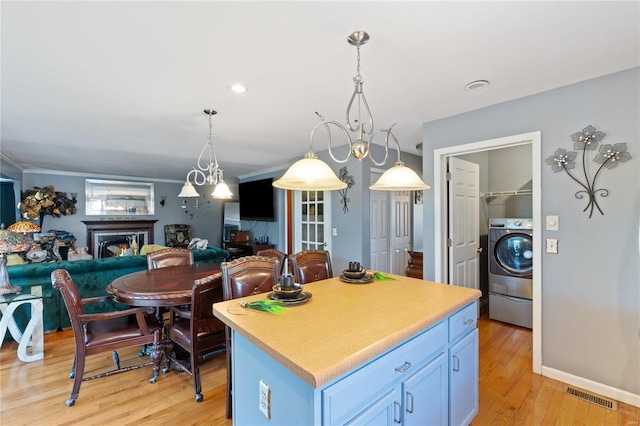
<point>399,178</point>
<point>188,190</point>
<point>222,192</point>
<point>310,174</point>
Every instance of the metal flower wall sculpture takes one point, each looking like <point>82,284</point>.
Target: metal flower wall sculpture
<point>608,156</point>
<point>39,202</point>
<point>348,179</point>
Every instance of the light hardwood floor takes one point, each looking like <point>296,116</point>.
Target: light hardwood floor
<point>35,393</point>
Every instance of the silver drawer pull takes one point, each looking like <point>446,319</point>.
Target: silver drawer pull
<point>469,321</point>
<point>405,367</point>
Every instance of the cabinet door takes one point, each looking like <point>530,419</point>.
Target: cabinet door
<point>463,379</point>
<point>385,411</point>
<point>425,394</point>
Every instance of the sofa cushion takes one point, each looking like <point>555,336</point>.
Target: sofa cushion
<point>91,276</point>
<point>150,248</point>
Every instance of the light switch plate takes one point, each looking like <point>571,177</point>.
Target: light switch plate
<point>552,223</point>
<point>265,399</point>
<point>552,246</point>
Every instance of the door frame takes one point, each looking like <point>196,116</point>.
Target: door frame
<point>441,215</point>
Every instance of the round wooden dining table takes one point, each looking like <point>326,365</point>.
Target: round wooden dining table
<point>169,286</point>
<point>163,287</point>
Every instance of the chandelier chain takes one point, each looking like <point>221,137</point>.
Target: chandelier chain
<point>358,67</point>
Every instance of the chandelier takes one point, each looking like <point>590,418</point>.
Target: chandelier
<point>209,174</point>
<point>311,173</point>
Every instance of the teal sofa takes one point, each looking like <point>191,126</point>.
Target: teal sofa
<point>91,276</point>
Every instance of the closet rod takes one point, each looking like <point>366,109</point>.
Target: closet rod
<point>505,193</point>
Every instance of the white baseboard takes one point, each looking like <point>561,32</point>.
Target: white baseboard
<point>599,388</point>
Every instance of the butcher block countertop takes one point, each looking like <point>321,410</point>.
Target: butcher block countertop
<point>344,325</point>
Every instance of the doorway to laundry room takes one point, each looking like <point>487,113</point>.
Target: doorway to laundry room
<point>505,191</point>
<point>508,186</point>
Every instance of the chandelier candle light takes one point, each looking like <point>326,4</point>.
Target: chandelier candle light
<point>312,174</point>
<point>214,176</point>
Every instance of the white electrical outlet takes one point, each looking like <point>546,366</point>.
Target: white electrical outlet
<point>552,246</point>
<point>265,399</point>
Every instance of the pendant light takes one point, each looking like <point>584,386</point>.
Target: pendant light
<point>214,176</point>
<point>310,173</point>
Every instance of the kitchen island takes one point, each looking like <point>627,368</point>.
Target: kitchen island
<point>404,350</point>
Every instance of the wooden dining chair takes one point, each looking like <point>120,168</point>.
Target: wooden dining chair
<point>311,265</point>
<point>197,331</point>
<point>240,278</point>
<point>102,332</point>
<point>173,256</point>
<point>277,254</point>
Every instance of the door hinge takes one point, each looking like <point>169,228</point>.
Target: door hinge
<point>449,242</point>
<point>449,176</point>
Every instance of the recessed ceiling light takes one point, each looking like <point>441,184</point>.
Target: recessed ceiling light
<point>238,88</point>
<point>475,85</point>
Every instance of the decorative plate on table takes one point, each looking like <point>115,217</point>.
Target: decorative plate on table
<point>364,280</point>
<point>303,297</point>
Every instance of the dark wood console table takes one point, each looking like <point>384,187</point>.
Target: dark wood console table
<point>241,250</point>
<point>414,268</point>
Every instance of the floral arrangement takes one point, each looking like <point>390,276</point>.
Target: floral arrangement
<point>40,202</point>
<point>608,156</point>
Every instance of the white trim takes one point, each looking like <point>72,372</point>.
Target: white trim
<point>586,384</point>
<point>89,176</point>
<point>440,214</point>
<point>10,162</point>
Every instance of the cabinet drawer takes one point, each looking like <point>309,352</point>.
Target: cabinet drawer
<point>463,321</point>
<point>350,393</point>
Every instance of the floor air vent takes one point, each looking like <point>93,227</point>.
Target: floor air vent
<point>592,398</point>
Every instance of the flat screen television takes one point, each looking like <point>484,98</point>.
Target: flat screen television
<point>257,200</point>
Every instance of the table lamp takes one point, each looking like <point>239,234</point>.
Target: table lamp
<point>10,242</point>
<point>24,227</point>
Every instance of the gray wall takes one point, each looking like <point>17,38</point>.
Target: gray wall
<point>504,169</point>
<point>205,221</point>
<point>591,289</point>
<point>353,242</point>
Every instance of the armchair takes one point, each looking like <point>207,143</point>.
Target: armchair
<point>169,257</point>
<point>102,332</point>
<point>274,253</point>
<point>242,277</point>
<point>197,331</point>
<point>311,265</point>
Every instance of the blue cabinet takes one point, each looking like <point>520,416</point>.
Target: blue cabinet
<point>425,395</point>
<point>411,384</point>
<point>463,367</point>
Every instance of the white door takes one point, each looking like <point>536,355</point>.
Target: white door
<point>379,224</point>
<point>400,219</point>
<point>312,220</point>
<point>464,222</point>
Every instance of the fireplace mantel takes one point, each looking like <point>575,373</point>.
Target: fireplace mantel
<point>120,226</point>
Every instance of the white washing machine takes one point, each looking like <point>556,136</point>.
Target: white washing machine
<point>511,271</point>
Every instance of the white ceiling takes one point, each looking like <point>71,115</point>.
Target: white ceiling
<point>119,88</point>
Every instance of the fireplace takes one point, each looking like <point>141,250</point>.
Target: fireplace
<point>113,244</point>
<point>103,236</point>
